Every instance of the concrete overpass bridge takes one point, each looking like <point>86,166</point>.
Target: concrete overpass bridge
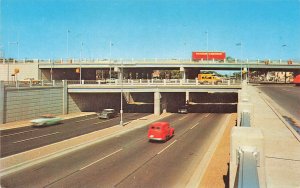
<point>74,69</point>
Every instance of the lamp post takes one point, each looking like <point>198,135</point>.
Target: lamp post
<point>121,109</point>
<point>206,32</point>
<point>68,43</point>
<point>110,44</point>
<point>240,44</point>
<point>80,61</point>
<point>281,50</point>
<point>51,72</point>
<point>9,43</point>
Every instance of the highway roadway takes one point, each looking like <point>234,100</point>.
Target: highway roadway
<point>129,159</point>
<point>18,140</point>
<point>286,96</point>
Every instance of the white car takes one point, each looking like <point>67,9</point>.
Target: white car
<point>46,120</point>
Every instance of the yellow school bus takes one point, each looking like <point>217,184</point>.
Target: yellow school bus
<point>209,79</point>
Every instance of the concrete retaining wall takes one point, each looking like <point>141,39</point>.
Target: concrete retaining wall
<point>26,103</point>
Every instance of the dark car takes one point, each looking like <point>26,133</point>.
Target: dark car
<point>107,114</point>
<point>183,109</point>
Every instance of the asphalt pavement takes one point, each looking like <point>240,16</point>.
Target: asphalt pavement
<point>128,159</point>
<point>26,138</point>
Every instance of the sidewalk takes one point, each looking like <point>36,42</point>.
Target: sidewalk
<point>282,144</point>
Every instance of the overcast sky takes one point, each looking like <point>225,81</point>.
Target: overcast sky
<point>150,28</point>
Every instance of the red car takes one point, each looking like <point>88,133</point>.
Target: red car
<point>160,131</point>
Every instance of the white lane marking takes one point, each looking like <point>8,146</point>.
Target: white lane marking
<point>195,125</point>
<point>166,147</point>
<point>101,159</point>
<point>17,133</point>
<point>85,119</point>
<point>36,137</point>
<point>207,115</point>
<point>183,118</point>
<point>100,122</point>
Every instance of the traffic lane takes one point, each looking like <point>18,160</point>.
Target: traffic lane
<point>16,143</point>
<point>110,170</point>
<point>288,97</point>
<point>64,127</point>
<point>63,166</point>
<point>173,166</point>
<point>29,127</point>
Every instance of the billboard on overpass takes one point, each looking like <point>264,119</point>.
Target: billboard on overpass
<point>198,56</point>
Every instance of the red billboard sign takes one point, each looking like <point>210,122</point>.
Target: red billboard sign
<point>208,56</point>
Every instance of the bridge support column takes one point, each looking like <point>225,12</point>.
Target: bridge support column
<point>2,102</point>
<point>65,97</point>
<point>156,103</point>
<point>187,97</point>
<point>183,74</point>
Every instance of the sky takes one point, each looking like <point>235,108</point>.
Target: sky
<point>138,29</point>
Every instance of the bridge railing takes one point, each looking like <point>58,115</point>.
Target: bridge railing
<point>247,151</point>
<point>148,60</point>
<point>152,82</point>
<point>144,82</point>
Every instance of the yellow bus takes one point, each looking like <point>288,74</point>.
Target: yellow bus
<point>209,79</point>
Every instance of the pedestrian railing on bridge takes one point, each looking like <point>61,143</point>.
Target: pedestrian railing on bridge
<point>117,82</point>
<point>153,82</point>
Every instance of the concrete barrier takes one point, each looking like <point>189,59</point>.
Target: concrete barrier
<point>246,139</point>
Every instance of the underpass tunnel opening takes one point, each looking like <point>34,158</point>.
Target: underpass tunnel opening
<point>203,102</point>
<point>170,102</point>
<point>96,102</point>
<point>207,102</point>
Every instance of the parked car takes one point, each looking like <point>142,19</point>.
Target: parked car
<point>46,120</point>
<point>183,109</point>
<point>161,131</point>
<point>107,114</point>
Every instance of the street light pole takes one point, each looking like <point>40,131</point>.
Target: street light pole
<point>9,43</point>
<point>281,50</point>
<point>121,109</point>
<point>240,44</point>
<point>110,44</point>
<point>206,32</point>
<point>8,62</point>
<point>68,43</point>
<point>80,61</point>
<point>18,50</point>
